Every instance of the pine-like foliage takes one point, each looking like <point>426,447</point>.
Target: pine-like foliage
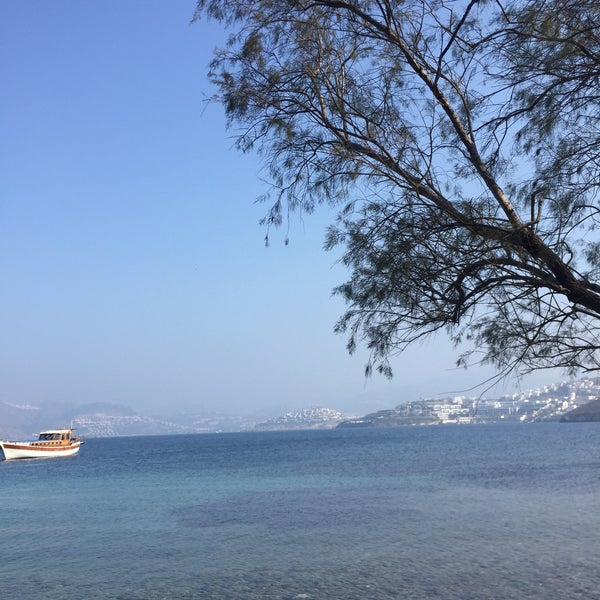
<point>460,141</point>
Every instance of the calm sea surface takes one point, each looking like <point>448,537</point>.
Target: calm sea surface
<point>455,512</point>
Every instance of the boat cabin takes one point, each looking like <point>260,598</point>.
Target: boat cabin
<point>56,437</point>
<point>58,434</point>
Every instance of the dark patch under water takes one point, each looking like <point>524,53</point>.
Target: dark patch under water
<point>320,509</point>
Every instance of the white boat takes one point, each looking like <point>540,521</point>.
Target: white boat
<point>50,443</point>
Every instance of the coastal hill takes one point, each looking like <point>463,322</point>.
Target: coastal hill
<point>108,420</point>
<point>23,421</point>
<point>309,418</point>
<point>587,412</point>
<point>565,401</point>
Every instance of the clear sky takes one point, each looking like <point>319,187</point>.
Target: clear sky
<point>132,265</point>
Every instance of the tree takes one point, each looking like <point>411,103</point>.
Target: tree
<point>460,141</point>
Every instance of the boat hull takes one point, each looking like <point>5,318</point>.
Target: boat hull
<point>14,450</point>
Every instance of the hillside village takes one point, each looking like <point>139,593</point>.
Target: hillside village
<point>549,403</point>
<point>553,402</point>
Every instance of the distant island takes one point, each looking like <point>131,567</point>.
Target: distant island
<point>571,402</point>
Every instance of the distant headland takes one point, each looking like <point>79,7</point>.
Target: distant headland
<point>574,401</point>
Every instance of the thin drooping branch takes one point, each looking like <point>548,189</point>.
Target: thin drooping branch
<point>461,141</point>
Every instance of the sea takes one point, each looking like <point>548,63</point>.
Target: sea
<point>445,512</point>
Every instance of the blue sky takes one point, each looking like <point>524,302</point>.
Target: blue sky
<point>132,264</point>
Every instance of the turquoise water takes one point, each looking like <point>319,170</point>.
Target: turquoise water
<point>457,512</point>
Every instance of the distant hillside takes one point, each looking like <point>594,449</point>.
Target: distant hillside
<point>581,414</point>
<point>309,418</point>
<point>17,421</point>
<point>24,421</point>
<point>573,401</point>
<point>100,424</point>
<point>107,420</point>
<point>565,401</point>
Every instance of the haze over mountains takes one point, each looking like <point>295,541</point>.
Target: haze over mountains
<point>559,401</point>
<point>104,420</point>
<point>23,421</point>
